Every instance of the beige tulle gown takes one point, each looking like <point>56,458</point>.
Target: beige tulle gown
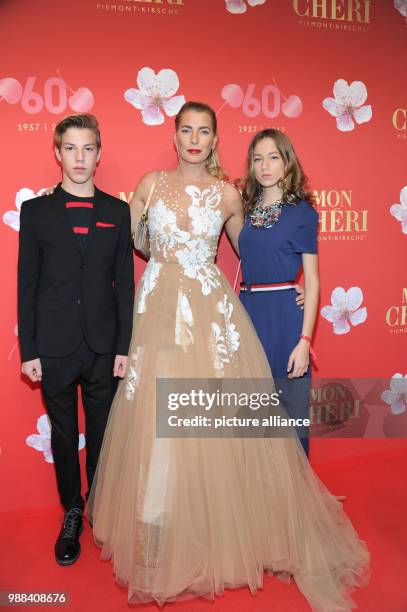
<point>190,517</point>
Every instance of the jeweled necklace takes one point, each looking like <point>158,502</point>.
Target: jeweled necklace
<point>266,216</point>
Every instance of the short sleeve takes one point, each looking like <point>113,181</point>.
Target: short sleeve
<point>305,236</point>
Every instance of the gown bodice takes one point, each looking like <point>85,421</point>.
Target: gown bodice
<point>185,222</point>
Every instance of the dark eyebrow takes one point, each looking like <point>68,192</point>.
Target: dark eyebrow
<point>201,127</point>
<point>71,144</point>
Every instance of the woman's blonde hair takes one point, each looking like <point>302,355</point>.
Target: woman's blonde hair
<point>212,163</point>
<point>292,183</point>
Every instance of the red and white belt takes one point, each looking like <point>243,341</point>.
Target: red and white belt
<point>256,287</point>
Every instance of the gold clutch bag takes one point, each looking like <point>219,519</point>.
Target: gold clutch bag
<point>141,236</point>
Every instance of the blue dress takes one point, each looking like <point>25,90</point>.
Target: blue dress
<point>274,255</point>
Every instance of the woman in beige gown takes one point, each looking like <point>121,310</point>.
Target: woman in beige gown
<point>190,517</point>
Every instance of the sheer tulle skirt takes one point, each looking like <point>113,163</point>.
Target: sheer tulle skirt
<point>190,517</point>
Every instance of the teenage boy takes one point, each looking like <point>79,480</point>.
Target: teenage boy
<point>75,309</point>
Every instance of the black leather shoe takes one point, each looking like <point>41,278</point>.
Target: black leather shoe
<point>67,547</point>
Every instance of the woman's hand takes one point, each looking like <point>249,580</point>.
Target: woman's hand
<point>300,297</point>
<point>299,360</point>
<point>47,190</point>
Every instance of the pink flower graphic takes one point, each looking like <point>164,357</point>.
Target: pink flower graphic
<point>396,396</point>
<point>401,6</point>
<point>42,440</point>
<point>347,106</point>
<point>399,211</point>
<point>239,6</point>
<point>345,309</point>
<point>12,217</point>
<point>155,93</point>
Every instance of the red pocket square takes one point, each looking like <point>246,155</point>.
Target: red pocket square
<point>102,224</point>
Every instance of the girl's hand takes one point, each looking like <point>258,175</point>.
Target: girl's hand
<point>299,360</point>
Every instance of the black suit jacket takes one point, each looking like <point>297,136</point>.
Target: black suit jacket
<point>65,294</point>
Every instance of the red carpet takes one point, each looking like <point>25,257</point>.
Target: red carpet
<point>376,503</point>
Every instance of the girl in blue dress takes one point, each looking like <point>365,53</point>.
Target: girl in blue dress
<point>278,240</point>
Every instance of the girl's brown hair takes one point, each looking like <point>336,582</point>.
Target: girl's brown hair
<point>212,163</point>
<point>292,183</point>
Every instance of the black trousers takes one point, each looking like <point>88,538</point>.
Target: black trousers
<point>61,377</point>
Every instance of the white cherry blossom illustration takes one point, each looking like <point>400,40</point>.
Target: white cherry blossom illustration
<point>12,217</point>
<point>401,6</point>
<point>399,211</point>
<point>345,309</point>
<point>155,94</point>
<point>42,440</point>
<point>348,104</point>
<point>239,6</point>
<point>396,396</point>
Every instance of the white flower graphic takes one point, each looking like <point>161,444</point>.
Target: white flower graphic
<point>345,309</point>
<point>399,211</point>
<point>401,6</point>
<point>155,93</point>
<point>12,217</point>
<point>239,6</point>
<point>396,396</point>
<point>42,440</point>
<point>347,105</point>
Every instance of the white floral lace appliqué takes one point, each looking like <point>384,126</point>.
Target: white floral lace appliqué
<point>194,259</point>
<point>205,219</point>
<point>224,342</point>
<point>197,255</point>
<point>133,375</point>
<point>162,225</point>
<point>183,322</point>
<point>148,283</point>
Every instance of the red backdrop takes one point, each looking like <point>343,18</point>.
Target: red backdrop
<point>270,64</point>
